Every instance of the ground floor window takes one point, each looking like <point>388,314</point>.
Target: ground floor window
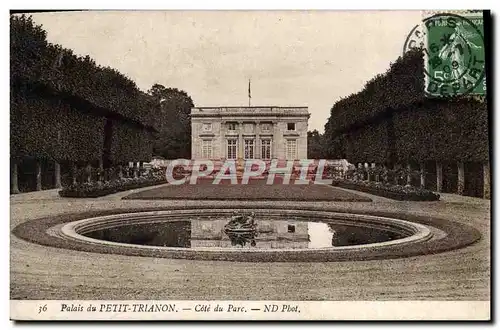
<point>249,149</point>
<point>232,146</point>
<point>266,149</point>
<point>206,149</point>
<point>291,149</point>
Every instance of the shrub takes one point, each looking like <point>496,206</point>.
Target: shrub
<point>392,191</point>
<point>102,188</point>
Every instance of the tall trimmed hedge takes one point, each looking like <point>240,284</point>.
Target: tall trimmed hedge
<point>51,129</point>
<point>60,104</point>
<point>368,144</point>
<point>442,130</point>
<point>34,60</point>
<point>391,120</point>
<point>130,143</point>
<point>400,86</point>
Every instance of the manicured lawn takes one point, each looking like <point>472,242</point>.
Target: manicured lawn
<point>254,190</point>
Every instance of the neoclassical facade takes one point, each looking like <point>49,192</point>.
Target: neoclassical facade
<point>249,133</point>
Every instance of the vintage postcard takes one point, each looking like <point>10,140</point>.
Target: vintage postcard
<point>250,165</point>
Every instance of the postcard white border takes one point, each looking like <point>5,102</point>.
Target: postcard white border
<point>470,307</point>
<point>248,310</point>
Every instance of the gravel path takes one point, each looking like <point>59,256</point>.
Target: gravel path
<point>39,272</point>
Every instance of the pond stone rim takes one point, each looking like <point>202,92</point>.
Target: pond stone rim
<point>413,232</point>
<point>458,235</point>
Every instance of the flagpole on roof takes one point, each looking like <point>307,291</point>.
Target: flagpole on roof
<point>249,93</point>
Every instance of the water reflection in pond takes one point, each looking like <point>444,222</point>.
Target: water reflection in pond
<point>268,234</point>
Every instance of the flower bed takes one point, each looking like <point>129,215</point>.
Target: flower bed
<point>98,189</point>
<point>401,193</point>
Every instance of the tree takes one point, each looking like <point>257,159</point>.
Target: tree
<point>173,108</point>
<point>315,145</point>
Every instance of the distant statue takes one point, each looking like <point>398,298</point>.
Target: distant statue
<point>241,220</point>
<point>251,219</point>
<point>241,229</point>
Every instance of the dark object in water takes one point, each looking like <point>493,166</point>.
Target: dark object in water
<point>241,229</point>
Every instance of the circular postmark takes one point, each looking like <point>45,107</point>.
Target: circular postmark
<point>453,47</point>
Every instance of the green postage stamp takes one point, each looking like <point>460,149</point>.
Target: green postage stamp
<point>454,53</point>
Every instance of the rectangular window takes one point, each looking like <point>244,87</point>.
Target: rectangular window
<point>232,126</point>
<point>266,149</point>
<point>232,146</point>
<point>249,149</point>
<point>291,126</point>
<point>207,127</point>
<point>206,149</point>
<point>291,149</point>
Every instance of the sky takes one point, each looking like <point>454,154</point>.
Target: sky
<point>293,58</point>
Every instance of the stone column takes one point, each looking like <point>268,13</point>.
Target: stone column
<point>274,141</point>
<point>408,174</point>
<point>14,183</point>
<point>422,175</point>
<point>395,175</point>
<point>101,170</point>
<point>73,172</point>
<point>439,177</point>
<point>136,170</point>
<point>257,153</point>
<point>240,141</point>
<point>461,178</point>
<point>141,167</point>
<point>487,181</point>
<point>57,175</point>
<point>88,172</point>
<point>38,173</point>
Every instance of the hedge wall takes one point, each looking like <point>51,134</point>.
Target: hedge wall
<point>60,104</point>
<point>51,129</point>
<point>130,143</point>
<point>34,60</point>
<point>442,130</point>
<point>368,144</point>
<point>400,86</point>
<point>391,120</point>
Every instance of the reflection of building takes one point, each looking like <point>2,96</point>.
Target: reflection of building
<point>354,235</point>
<point>249,133</point>
<point>270,234</point>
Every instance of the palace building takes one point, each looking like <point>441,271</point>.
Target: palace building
<point>249,132</point>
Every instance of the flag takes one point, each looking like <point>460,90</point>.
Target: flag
<point>249,91</point>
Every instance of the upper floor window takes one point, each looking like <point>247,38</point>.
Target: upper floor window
<point>290,126</point>
<point>232,126</point>
<point>207,127</point>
